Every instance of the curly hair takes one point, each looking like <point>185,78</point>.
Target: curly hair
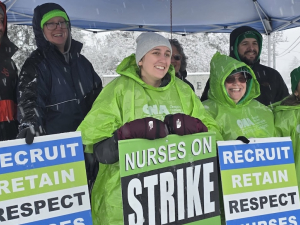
<point>177,45</point>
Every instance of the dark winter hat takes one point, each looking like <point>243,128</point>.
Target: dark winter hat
<point>243,70</point>
<point>248,34</point>
<point>51,14</point>
<point>1,11</point>
<point>295,78</point>
<point>146,41</point>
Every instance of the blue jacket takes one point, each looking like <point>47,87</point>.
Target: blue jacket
<point>55,94</point>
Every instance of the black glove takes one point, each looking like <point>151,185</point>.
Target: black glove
<point>243,139</point>
<point>147,128</point>
<point>92,168</point>
<point>27,133</point>
<point>182,124</point>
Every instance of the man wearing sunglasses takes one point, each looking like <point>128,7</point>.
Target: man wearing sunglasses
<point>178,60</point>
<point>8,84</point>
<point>246,46</point>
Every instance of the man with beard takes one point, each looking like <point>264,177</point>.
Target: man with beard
<point>8,84</point>
<point>246,46</point>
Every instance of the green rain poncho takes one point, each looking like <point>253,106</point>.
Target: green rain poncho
<point>287,123</point>
<point>123,100</point>
<point>248,118</point>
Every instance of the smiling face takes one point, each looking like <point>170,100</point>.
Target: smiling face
<point>248,50</point>
<point>154,65</point>
<point>58,36</point>
<point>236,88</point>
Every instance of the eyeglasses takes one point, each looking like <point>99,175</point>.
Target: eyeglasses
<point>176,57</point>
<point>231,79</point>
<point>53,26</point>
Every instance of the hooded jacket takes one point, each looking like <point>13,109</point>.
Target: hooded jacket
<point>287,123</point>
<point>55,90</point>
<point>123,100</point>
<point>272,86</point>
<point>248,117</point>
<point>8,86</point>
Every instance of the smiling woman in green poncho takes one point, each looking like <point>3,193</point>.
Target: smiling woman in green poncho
<point>233,87</point>
<point>146,91</point>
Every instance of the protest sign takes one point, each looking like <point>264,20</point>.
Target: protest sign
<point>173,180</point>
<point>45,182</point>
<point>259,182</point>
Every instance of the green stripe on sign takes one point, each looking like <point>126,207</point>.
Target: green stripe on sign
<point>42,180</point>
<point>258,178</point>
<point>210,221</point>
<point>140,155</point>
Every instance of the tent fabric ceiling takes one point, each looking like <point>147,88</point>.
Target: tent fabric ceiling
<point>188,16</point>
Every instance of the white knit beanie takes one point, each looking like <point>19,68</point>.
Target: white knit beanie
<point>146,41</point>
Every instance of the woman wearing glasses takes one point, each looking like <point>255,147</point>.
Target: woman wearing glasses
<point>231,100</point>
<point>233,87</point>
<point>178,60</point>
<point>57,84</point>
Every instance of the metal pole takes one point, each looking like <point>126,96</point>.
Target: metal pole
<point>269,50</point>
<point>274,53</point>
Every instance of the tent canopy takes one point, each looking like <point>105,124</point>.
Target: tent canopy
<point>188,16</point>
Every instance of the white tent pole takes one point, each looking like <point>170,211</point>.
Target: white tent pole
<point>8,8</point>
<point>269,50</point>
<point>256,7</point>
<point>274,50</point>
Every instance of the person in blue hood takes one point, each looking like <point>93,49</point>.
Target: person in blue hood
<point>57,85</point>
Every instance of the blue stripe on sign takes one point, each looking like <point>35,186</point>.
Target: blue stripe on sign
<point>291,217</point>
<point>255,155</point>
<point>83,217</point>
<point>38,155</point>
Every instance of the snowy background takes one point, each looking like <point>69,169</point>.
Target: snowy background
<point>107,49</point>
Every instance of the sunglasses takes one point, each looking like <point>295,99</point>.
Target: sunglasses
<point>231,79</point>
<point>176,57</point>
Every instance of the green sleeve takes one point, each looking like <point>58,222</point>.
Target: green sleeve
<point>200,113</point>
<point>103,119</point>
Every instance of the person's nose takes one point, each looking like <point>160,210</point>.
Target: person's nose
<point>58,26</point>
<point>251,47</point>
<point>164,58</point>
<point>236,80</point>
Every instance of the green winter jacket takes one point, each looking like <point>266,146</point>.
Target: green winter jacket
<point>248,118</point>
<point>123,100</point>
<point>287,123</point>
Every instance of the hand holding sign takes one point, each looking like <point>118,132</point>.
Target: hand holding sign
<point>146,128</point>
<point>28,133</point>
<point>182,124</point>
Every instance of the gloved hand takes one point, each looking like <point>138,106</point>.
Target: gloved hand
<point>182,124</point>
<point>28,133</point>
<point>243,139</point>
<point>147,128</point>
